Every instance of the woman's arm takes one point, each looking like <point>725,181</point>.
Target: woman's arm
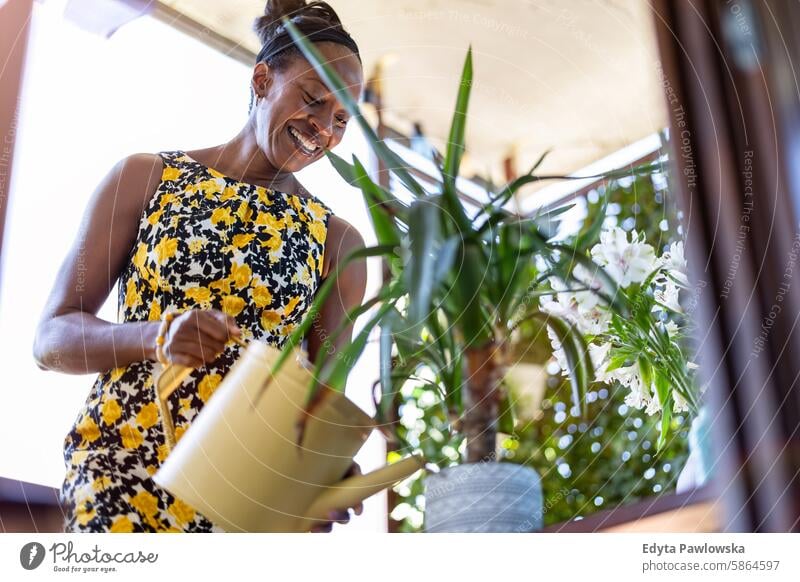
<point>69,337</point>
<point>347,293</point>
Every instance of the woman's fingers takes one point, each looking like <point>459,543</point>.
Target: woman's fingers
<point>336,516</point>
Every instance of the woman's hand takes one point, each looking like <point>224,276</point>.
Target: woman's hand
<point>340,515</point>
<point>197,336</point>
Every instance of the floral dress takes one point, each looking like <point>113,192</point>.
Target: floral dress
<point>204,241</point>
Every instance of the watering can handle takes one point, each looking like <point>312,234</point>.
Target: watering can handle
<point>354,489</point>
<point>173,375</point>
<point>167,382</point>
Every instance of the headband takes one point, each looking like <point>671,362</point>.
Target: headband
<point>314,32</point>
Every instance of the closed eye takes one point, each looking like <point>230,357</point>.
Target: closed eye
<point>309,100</point>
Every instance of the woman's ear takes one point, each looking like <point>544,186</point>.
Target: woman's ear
<point>262,79</point>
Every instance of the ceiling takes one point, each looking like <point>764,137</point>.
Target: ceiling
<point>578,77</point>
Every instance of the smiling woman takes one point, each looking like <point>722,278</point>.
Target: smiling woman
<point>204,245</point>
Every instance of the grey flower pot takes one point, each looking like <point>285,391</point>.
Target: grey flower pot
<point>483,497</point>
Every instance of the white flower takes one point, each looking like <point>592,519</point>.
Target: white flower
<point>674,262</point>
<point>653,406</point>
<point>679,402</point>
<point>625,261</point>
<point>599,356</point>
<point>668,297</point>
<point>581,308</point>
<point>558,351</point>
<point>672,328</point>
<point>588,299</point>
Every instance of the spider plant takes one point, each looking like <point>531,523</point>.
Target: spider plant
<point>458,284</point>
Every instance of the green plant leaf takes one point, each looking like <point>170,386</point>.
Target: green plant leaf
<point>423,242</point>
<point>455,142</point>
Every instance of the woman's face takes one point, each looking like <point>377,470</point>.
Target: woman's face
<point>299,118</point>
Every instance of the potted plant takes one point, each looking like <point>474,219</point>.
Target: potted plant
<point>459,286</point>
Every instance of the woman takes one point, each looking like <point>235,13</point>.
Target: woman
<point>227,239</point>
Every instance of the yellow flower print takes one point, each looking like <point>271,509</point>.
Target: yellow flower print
<point>297,204</point>
<point>145,502</point>
<point>131,437</point>
<point>155,216</point>
<point>241,240</point>
<point>166,199</point>
<point>88,429</point>
<point>244,212</point>
<point>241,274</point>
<point>116,373</point>
<point>140,257</point>
<point>291,305</point>
<point>198,294</point>
<point>79,457</point>
<point>132,297</point>
<point>101,482</point>
<point>170,173</point>
<point>318,231</point>
<point>182,512</point>
<point>310,261</point>
<point>111,411</point>
<point>232,305</point>
<point>196,245</point>
<point>151,470</point>
<point>228,193</point>
<point>179,430</point>
<point>210,187</point>
<point>268,219</point>
<point>207,386</point>
<point>262,195</point>
<point>270,319</point>
<point>166,249</point>
<point>155,311</point>
<point>316,209</point>
<point>261,296</point>
<point>273,242</point>
<point>214,173</point>
<point>148,415</point>
<point>122,525</point>
<point>84,514</point>
<point>222,215</point>
<point>223,285</point>
<point>162,452</point>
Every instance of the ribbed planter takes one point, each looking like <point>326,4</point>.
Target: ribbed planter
<point>483,497</point>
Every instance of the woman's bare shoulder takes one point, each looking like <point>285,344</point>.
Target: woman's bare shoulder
<point>342,239</point>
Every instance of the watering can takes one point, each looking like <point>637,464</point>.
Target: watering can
<point>238,462</point>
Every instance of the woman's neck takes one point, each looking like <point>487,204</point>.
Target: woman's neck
<point>242,159</point>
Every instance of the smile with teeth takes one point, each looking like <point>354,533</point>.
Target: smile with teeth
<point>307,146</point>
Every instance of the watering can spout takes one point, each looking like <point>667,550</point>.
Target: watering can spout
<point>355,489</point>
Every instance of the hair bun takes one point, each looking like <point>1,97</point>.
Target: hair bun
<point>269,25</point>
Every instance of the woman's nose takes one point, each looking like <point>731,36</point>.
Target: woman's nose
<point>321,128</point>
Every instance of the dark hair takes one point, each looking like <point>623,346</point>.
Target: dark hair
<point>317,20</point>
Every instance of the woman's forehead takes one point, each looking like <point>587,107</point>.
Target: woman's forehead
<point>340,58</point>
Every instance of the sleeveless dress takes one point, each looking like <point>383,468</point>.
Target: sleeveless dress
<point>204,241</point>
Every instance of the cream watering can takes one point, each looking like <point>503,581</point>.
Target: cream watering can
<point>238,463</point>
